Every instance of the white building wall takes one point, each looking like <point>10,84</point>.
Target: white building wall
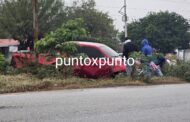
<point>180,54</point>
<point>187,55</point>
<point>184,55</point>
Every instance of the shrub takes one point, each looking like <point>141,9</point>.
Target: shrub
<point>181,70</point>
<point>55,41</point>
<point>45,71</point>
<point>187,76</point>
<point>2,60</point>
<point>2,63</point>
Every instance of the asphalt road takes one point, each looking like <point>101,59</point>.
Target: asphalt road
<point>169,103</point>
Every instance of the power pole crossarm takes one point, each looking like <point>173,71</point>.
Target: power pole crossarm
<point>124,17</point>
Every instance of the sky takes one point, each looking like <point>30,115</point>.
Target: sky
<point>139,8</point>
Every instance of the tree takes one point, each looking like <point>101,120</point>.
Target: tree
<point>165,31</point>
<point>16,18</point>
<point>55,41</point>
<point>99,24</point>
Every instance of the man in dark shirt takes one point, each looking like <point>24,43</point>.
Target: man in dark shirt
<point>128,48</point>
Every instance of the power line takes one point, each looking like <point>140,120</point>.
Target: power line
<point>142,9</point>
<point>176,2</point>
<point>138,9</point>
<point>185,2</point>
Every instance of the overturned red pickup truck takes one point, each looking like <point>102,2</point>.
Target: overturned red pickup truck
<point>90,49</point>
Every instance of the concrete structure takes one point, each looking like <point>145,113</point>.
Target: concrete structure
<point>184,55</point>
<point>7,47</point>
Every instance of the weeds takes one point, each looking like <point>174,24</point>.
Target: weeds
<point>181,70</point>
<point>27,82</point>
<point>43,71</point>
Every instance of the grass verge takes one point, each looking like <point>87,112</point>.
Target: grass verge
<point>24,82</point>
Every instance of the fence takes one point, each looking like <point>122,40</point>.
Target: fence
<point>184,55</point>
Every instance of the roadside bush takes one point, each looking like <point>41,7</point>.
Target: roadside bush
<point>55,41</point>
<point>50,71</point>
<point>2,60</point>
<point>187,76</point>
<point>2,63</point>
<point>45,71</point>
<point>181,70</point>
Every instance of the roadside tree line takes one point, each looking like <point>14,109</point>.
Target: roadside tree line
<point>166,31</point>
<point>16,20</point>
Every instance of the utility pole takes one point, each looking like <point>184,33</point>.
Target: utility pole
<point>124,17</point>
<point>35,20</point>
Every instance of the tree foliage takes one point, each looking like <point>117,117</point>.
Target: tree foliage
<point>16,18</point>
<point>99,24</point>
<point>55,41</point>
<point>165,31</point>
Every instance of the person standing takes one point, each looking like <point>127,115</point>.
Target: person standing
<point>128,48</point>
<point>146,48</point>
